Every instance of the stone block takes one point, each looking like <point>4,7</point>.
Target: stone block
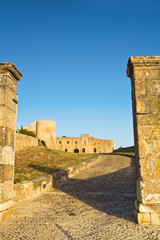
<point>148,191</point>
<point>10,121</point>
<point>147,208</point>
<point>6,191</point>
<point>6,205</point>
<point>6,173</point>
<point>146,73</point>
<point>155,218</point>
<point>150,169</point>
<point>7,156</point>
<point>11,99</point>
<point>148,119</point>
<point>149,131</point>
<point>145,105</point>
<point>142,218</point>
<point>148,148</point>
<point>6,214</point>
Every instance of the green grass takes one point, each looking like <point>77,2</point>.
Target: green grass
<point>130,154</point>
<point>37,161</point>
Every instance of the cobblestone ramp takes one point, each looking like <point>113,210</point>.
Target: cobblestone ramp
<point>95,204</point>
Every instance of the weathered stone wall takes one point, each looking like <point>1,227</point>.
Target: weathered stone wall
<point>30,189</point>
<point>8,112</point>
<point>45,130</point>
<point>145,79</point>
<point>85,144</point>
<point>24,141</point>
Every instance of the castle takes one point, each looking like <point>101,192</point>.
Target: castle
<point>46,130</point>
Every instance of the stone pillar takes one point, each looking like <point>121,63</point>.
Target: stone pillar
<point>9,75</point>
<point>145,79</point>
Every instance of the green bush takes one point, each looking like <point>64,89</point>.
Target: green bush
<point>42,142</point>
<point>26,132</point>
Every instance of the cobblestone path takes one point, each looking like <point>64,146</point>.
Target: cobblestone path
<point>95,204</point>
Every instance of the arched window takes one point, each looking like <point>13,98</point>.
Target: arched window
<point>59,142</point>
<point>95,150</point>
<point>67,142</point>
<point>76,150</point>
<point>66,150</point>
<point>76,142</point>
<point>83,150</point>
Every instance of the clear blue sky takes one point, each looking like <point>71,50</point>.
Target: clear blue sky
<point>73,56</point>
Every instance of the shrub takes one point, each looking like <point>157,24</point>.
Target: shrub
<point>42,142</point>
<point>26,132</point>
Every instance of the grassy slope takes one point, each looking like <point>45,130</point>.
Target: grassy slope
<point>37,161</point>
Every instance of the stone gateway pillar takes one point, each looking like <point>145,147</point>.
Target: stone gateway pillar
<point>145,79</point>
<point>9,75</point>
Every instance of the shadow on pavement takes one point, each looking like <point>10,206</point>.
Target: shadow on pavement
<point>113,193</point>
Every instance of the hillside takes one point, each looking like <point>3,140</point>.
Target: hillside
<point>37,161</point>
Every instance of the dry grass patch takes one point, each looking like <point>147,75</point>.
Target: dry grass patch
<point>31,163</point>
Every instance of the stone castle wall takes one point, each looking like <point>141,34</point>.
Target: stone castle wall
<point>45,130</point>
<point>23,141</point>
<point>85,144</point>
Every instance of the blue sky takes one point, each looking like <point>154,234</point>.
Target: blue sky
<point>73,56</point>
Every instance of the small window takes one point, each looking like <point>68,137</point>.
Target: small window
<point>67,142</point>
<point>59,142</point>
<point>95,150</point>
<point>76,142</point>
<point>83,150</point>
<point>66,150</point>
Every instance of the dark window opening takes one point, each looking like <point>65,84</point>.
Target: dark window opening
<point>83,150</point>
<point>67,142</point>
<point>76,151</point>
<point>76,142</point>
<point>59,142</point>
<point>66,150</point>
<point>95,150</point>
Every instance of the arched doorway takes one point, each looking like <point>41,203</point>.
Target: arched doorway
<point>76,150</point>
<point>83,150</point>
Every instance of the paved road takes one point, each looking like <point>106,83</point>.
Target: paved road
<point>95,204</point>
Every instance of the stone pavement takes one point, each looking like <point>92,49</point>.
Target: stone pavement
<point>95,204</point>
